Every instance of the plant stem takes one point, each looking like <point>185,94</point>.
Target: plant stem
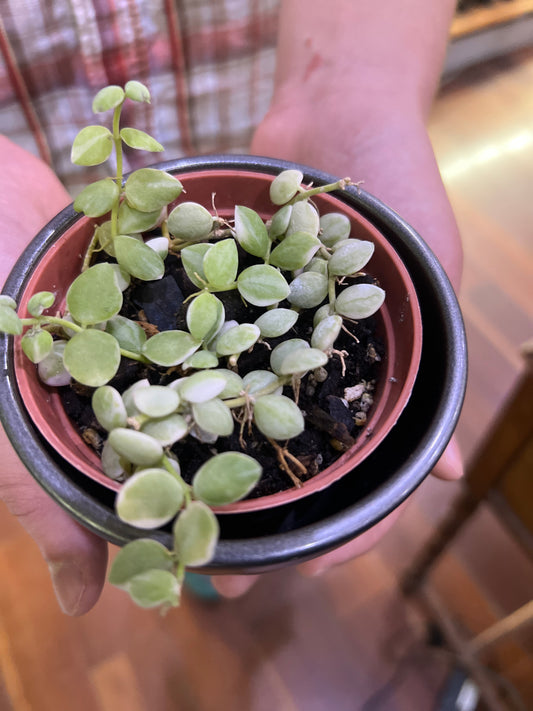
<point>118,178</point>
<point>330,187</point>
<point>267,390</point>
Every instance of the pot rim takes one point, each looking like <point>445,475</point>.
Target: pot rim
<point>265,551</point>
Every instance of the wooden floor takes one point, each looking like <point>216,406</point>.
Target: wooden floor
<point>346,641</point>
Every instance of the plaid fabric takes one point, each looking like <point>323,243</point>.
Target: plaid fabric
<point>209,65</point>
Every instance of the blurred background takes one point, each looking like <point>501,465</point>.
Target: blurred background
<point>351,640</point>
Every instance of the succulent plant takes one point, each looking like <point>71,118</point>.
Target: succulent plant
<point>294,262</point>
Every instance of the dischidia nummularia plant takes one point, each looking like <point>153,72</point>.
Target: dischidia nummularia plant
<point>295,262</point>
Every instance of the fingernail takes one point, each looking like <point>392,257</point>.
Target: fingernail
<point>69,585</point>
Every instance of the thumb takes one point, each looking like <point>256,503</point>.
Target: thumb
<point>77,558</point>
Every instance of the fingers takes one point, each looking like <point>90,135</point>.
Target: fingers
<point>232,586</point>
<point>77,559</point>
<point>450,466</point>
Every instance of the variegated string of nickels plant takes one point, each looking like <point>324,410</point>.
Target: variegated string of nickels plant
<point>301,260</point>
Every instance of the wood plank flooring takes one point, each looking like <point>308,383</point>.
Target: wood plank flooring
<point>348,640</point>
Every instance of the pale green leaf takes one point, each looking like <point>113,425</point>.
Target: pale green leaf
<point>140,140</point>
<point>326,332</point>
<point>257,380</point>
<point>285,186</point>
<point>334,227</point>
<point>167,430</point>
<point>131,220</point>
<point>149,189</point>
<point>226,478</point>
<point>52,369</point>
<point>92,146</point>
<point>109,408</point>
<point>138,557</point>
<point>238,339</point>
<point>279,222</point>
<point>276,322</point>
<point>6,300</point>
<point>221,263</point>
<point>192,258</point>
<point>262,285</point>
<point>205,316</point>
<point>130,336</point>
<point>251,232</point>
<point>283,349</point>
<point>138,259</point>
<point>213,416</point>
<point>108,98</point>
<point>156,400</point>
<point>196,534</point>
<point>202,386</point>
<point>40,301</point>
<point>308,290</point>
<point>170,347</point>
<point>9,321</point>
<point>190,221</point>
<point>150,498</point>
<point>350,256</point>
<point>359,301</point>
<point>155,588</point>
<point>295,251</point>
<point>94,296</point>
<point>36,344</point>
<point>301,360</point>
<point>137,447</point>
<point>200,360</point>
<point>97,198</point>
<point>136,91</point>
<point>304,218</point>
<point>92,357</point>
<point>278,417</point>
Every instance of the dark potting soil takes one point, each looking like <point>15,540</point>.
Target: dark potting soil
<point>332,423</point>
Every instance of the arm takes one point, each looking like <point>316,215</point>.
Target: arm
<point>30,195</point>
<point>354,88</point>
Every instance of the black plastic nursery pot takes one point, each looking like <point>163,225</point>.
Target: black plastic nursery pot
<point>329,515</point>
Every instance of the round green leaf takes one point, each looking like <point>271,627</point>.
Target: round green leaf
<point>205,316</point>
<point>201,360</point>
<point>301,360</point>
<point>159,245</point>
<point>166,430</point>
<point>213,416</point>
<point>257,380</point>
<point>304,218</point>
<point>40,302</point>
<point>251,232</point>
<point>140,140</point>
<point>113,465</point>
<point>108,98</point>
<point>137,557</point>
<point>282,350</point>
<point>308,290</point>
<point>196,534</point>
<point>136,91</point>
<point>149,189</point>
<point>129,394</point>
<point>156,400</point>
<point>92,146</point>
<point>221,263</point>
<point>92,357</point>
<point>52,369</point>
<point>285,186</point>
<point>192,258</point>
<point>130,336</point>
<point>170,347</point>
<point>202,386</point>
<point>137,447</point>
<point>155,588</point>
<point>94,296</point>
<point>276,322</point>
<point>262,285</point>
<point>9,321</point>
<point>36,344</point>
<point>226,478</point>
<point>279,222</point>
<point>238,339</point>
<point>97,198</point>
<point>190,221</point>
<point>138,259</point>
<point>150,498</point>
<point>234,383</point>
<point>278,417</point>
<point>131,220</point>
<point>6,300</point>
<point>359,301</point>
<point>350,256</point>
<point>334,227</point>
<point>325,332</point>
<point>109,408</point>
<point>317,264</point>
<point>295,251</point>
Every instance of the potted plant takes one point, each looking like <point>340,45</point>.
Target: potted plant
<point>264,277</point>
